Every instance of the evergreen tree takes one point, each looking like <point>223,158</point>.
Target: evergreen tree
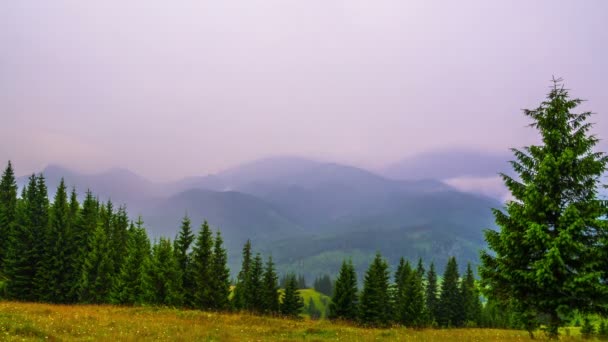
<point>413,307</point>
<point>420,269</point>
<point>270,292</point>
<point>550,253</point>
<point>8,210</point>
<point>344,300</point>
<point>375,308</point>
<point>129,287</point>
<point>588,329</point>
<point>402,277</point>
<point>240,295</point>
<point>302,282</point>
<point>292,303</point>
<point>312,311</point>
<point>254,290</point>
<point>220,275</point>
<point>162,279</point>
<point>431,294</point>
<point>202,255</point>
<point>84,225</point>
<point>39,226</point>
<point>470,298</point>
<point>182,247</point>
<point>450,301</point>
<point>55,271</point>
<point>323,285</point>
<point>119,237</point>
<point>96,279</point>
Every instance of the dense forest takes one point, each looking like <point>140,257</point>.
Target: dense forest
<point>69,252</point>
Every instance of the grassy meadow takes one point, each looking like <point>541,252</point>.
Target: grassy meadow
<point>36,322</point>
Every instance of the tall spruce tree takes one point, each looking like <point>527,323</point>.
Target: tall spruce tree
<point>344,302</point>
<point>292,303</point>
<point>182,254</point>
<point>129,287</point>
<point>450,312</point>
<point>253,292</point>
<point>550,253</point>
<point>84,226</point>
<point>39,225</point>
<point>413,308</point>
<point>162,279</point>
<point>470,298</point>
<point>270,291</point>
<point>8,210</point>
<point>240,296</point>
<point>220,275</point>
<point>375,307</point>
<point>119,237</point>
<point>431,294</point>
<point>202,258</point>
<point>96,280</point>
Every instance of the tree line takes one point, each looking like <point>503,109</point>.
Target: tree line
<point>69,252</point>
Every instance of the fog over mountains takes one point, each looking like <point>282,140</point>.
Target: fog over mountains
<point>310,215</point>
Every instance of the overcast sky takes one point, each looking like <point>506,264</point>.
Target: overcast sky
<point>177,88</point>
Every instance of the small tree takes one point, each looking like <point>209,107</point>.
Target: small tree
<point>431,294</point>
<point>292,301</point>
<point>375,302</point>
<point>270,291</point>
<point>450,313</point>
<point>550,254</point>
<point>344,300</point>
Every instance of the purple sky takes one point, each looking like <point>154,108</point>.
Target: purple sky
<point>176,88</point>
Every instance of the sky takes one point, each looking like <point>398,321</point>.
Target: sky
<point>170,89</point>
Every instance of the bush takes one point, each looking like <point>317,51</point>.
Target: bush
<point>587,330</point>
<point>603,330</point>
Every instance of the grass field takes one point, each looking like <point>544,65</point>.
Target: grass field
<point>35,322</point>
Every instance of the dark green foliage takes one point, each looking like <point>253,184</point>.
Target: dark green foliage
<point>323,284</point>
<point>270,294</point>
<point>8,210</point>
<point>413,307</point>
<point>550,251</point>
<point>431,295</point>
<point>55,273</point>
<point>375,302</point>
<point>344,300</point>
<point>402,275</point>
<point>83,227</point>
<point>588,329</point>
<point>220,276</point>
<point>602,331</point>
<point>254,289</point>
<point>242,282</point>
<point>129,287</point>
<point>182,246</point>
<point>202,255</point>
<point>119,236</point>
<point>96,279</point>
<point>162,279</point>
<point>292,301</point>
<point>420,269</point>
<point>302,282</point>
<point>450,313</point>
<point>470,299</point>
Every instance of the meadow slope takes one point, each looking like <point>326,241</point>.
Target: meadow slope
<point>35,322</point>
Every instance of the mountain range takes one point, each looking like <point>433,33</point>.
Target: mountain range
<point>309,215</point>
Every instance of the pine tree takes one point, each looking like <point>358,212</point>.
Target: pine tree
<point>254,290</point>
<point>119,237</point>
<point>96,280</point>
<point>375,307</point>
<point>84,226</point>
<point>470,298</point>
<point>550,252</point>
<point>402,276</point>
<point>182,247</point>
<point>8,210</point>
<point>344,300</point>
<point>302,282</point>
<point>55,270</point>
<point>292,303</point>
<point>162,279</point>
<point>413,308</point>
<point>323,285</point>
<point>240,297</point>
<point>39,226</point>
<point>270,290</point>
<point>450,301</point>
<point>420,268</point>
<point>202,255</point>
<point>129,287</point>
<point>312,311</point>
<point>220,275</point>
<point>431,294</point>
